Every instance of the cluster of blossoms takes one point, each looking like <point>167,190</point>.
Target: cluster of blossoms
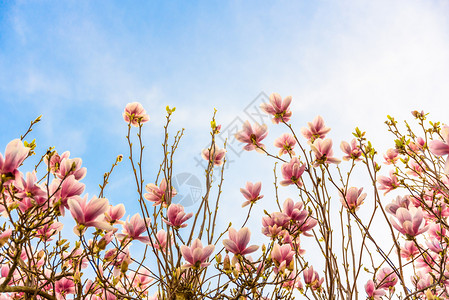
<point>36,262</point>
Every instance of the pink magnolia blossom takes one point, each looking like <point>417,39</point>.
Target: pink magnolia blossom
<point>4,236</point>
<point>282,257</point>
<point>386,278</point>
<point>195,255</point>
<point>135,114</point>
<point>48,231</point>
<point>352,150</point>
<point>295,211</point>
<point>292,172</point>
<point>89,214</point>
<point>63,287</point>
<point>134,228</point>
<point>410,221</point>
<point>238,241</point>
<point>323,152</point>
<point>29,192</point>
<point>353,199</point>
<point>141,279</point>
<point>391,156</point>
<point>409,251</point>
<point>176,216</point>
<point>388,183</point>
<point>437,231</point>
<point>278,108</point>
<point>398,202</point>
<point>252,136</point>
<point>15,154</point>
<point>214,154</point>
<point>316,129</point>
<point>312,279</point>
<point>114,213</point>
<point>251,193</point>
<point>440,148</point>
<point>161,241</point>
<point>71,166</point>
<point>157,194</point>
<point>286,143</point>
<point>272,225</point>
<point>372,292</point>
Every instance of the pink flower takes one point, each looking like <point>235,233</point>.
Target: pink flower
<point>278,108</point>
<point>440,148</point>
<point>386,278</point>
<point>63,287</point>
<point>71,166</point>
<point>251,193</point>
<point>388,183</point>
<point>286,142</point>
<point>134,228</point>
<point>352,151</point>
<point>292,172</point>
<point>176,216</point>
<point>157,194</point>
<point>294,211</point>
<point>48,231</point>
<point>411,221</point>
<point>252,136</point>
<point>4,236</point>
<point>282,257</point>
<point>398,202</point>
<point>372,292</point>
<point>353,199</point>
<point>30,192</point>
<point>88,214</point>
<point>391,156</point>
<point>216,157</point>
<point>409,251</point>
<point>323,152</point>
<point>114,214</point>
<point>272,226</point>
<point>316,129</point>
<point>135,114</point>
<point>141,280</point>
<point>15,154</point>
<point>161,240</point>
<point>312,279</point>
<point>195,255</point>
<point>238,241</point>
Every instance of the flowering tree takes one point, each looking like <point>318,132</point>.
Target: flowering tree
<point>187,257</point>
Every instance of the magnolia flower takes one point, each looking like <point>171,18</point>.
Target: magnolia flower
<point>440,148</point>
<point>141,280</point>
<point>251,193</point>
<point>352,151</point>
<point>176,216</point>
<point>386,278</point>
<point>238,241</point>
<point>312,279</point>
<point>156,193</point>
<point>388,183</point>
<point>4,236</point>
<point>282,257</point>
<point>252,136</point>
<point>115,213</point>
<point>48,231</point>
<point>161,240</point>
<point>323,152</point>
<point>411,221</point>
<point>372,292</point>
<point>135,114</point>
<point>15,154</point>
<point>353,198</point>
<point>278,108</point>
<point>316,129</point>
<point>391,156</point>
<point>63,287</point>
<point>214,154</point>
<point>295,211</point>
<point>195,255</point>
<point>286,142</point>
<point>71,166</point>
<point>292,172</point>
<point>89,214</point>
<point>409,251</point>
<point>134,228</point>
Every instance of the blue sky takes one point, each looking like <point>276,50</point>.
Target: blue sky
<point>79,62</point>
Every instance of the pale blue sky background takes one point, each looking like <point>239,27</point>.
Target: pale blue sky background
<point>79,62</point>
